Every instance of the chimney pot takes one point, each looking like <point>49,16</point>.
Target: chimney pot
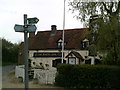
<point>53,30</point>
<point>53,27</point>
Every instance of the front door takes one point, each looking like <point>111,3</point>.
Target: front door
<point>57,61</point>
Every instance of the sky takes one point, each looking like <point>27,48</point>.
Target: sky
<point>49,12</point>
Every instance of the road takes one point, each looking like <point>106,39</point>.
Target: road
<point>8,77</point>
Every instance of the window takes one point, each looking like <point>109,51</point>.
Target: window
<point>72,60</point>
<point>85,43</point>
<point>59,43</point>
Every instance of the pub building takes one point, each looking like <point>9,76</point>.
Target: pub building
<point>45,48</point>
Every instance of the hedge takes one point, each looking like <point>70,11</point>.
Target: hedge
<point>88,76</point>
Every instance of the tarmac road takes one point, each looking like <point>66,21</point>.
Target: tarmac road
<point>7,77</point>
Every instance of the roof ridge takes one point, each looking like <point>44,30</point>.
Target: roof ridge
<point>65,29</point>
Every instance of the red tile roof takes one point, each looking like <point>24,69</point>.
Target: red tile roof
<point>44,39</point>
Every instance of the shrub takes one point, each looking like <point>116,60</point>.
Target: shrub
<point>88,76</point>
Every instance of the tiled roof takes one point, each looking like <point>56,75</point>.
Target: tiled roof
<point>44,39</point>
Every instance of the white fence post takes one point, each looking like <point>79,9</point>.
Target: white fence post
<point>19,71</point>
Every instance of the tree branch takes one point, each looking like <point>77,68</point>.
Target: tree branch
<point>108,11</point>
<point>118,9</point>
<point>111,6</point>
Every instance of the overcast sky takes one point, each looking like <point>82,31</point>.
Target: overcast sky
<point>49,12</point>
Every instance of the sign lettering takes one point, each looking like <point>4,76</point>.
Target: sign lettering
<point>47,54</point>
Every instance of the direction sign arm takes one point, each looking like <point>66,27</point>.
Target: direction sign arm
<point>33,20</point>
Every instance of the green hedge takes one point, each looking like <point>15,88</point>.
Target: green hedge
<point>88,76</point>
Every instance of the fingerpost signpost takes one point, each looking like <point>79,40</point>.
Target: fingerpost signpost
<point>29,26</point>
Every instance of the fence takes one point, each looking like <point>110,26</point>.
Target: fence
<point>45,76</point>
<point>19,71</point>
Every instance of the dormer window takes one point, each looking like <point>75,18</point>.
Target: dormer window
<point>59,43</point>
<point>85,43</point>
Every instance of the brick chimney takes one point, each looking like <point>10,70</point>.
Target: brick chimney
<point>53,30</point>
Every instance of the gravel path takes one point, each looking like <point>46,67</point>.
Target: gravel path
<point>10,81</point>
